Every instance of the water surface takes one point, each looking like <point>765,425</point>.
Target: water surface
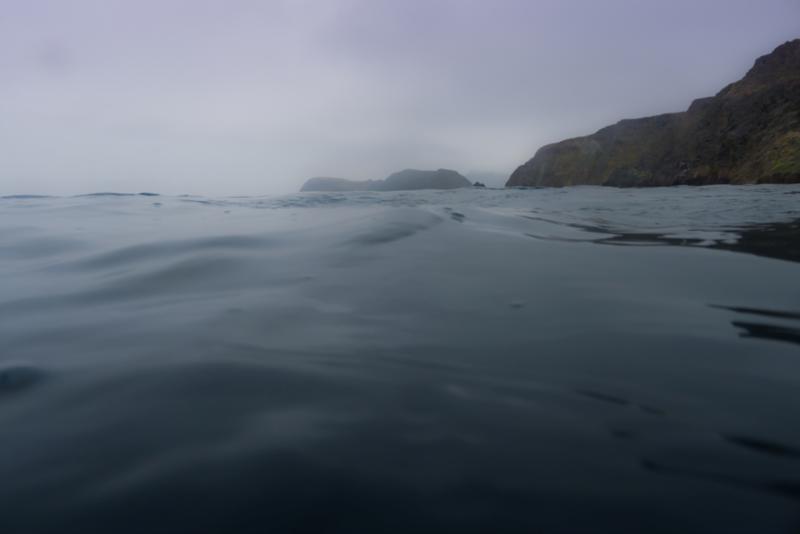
<point>554,360</point>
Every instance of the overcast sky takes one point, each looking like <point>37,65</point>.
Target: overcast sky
<point>253,97</point>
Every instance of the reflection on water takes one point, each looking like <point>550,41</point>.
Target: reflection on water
<point>768,331</point>
<point>774,240</point>
<point>788,330</point>
<point>401,362</point>
<point>782,488</point>
<point>764,447</point>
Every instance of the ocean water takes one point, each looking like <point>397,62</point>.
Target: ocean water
<point>549,360</point>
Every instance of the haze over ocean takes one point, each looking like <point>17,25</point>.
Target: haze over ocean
<point>248,97</point>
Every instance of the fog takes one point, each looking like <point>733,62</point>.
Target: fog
<point>253,97</point>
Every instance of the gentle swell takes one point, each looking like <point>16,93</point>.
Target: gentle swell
<point>145,252</point>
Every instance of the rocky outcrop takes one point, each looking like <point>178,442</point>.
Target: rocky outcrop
<point>748,133</point>
<point>407,180</point>
<point>414,179</point>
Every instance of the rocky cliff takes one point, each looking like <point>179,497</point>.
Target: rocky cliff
<point>748,133</point>
<point>406,180</point>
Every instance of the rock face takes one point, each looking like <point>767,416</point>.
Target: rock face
<point>407,180</point>
<point>748,133</point>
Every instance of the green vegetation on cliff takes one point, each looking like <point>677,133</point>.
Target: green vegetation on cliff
<point>748,133</point>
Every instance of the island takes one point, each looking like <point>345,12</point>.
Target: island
<point>406,180</point>
<point>748,133</point>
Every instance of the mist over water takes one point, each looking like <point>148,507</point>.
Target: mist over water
<point>576,360</point>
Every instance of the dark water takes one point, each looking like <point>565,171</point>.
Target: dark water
<point>573,360</point>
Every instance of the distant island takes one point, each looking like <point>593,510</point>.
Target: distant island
<point>748,133</point>
<point>406,180</point>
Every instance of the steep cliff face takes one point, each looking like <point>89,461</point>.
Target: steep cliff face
<point>406,180</point>
<point>748,133</point>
